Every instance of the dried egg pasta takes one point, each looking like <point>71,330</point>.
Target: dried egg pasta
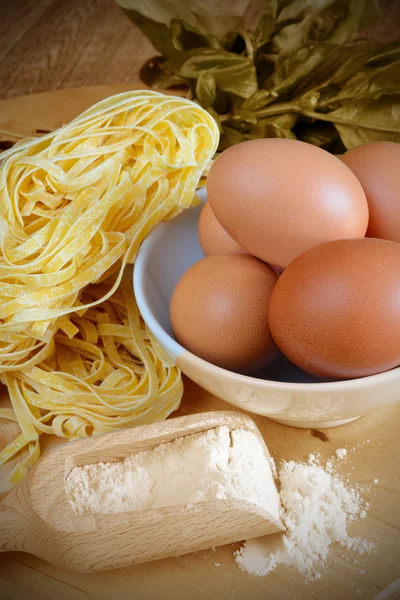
<point>107,376</point>
<point>75,206</point>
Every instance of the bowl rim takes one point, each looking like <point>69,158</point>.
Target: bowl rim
<point>175,349</point>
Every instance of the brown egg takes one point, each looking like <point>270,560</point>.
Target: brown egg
<point>335,311</point>
<point>377,167</point>
<point>219,311</point>
<point>285,197</point>
<point>212,236</point>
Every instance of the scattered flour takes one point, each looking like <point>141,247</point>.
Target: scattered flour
<point>341,453</point>
<point>317,507</point>
<point>376,481</point>
<point>216,464</point>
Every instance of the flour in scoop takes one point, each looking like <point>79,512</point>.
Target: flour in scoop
<point>317,508</point>
<point>217,464</point>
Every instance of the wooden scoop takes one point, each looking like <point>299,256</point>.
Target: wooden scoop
<point>36,516</point>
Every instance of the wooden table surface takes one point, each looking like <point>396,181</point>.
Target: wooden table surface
<point>214,575</point>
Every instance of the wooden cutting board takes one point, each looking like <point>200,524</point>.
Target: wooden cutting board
<point>214,574</point>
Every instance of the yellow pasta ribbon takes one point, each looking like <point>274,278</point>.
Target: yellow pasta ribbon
<point>75,206</point>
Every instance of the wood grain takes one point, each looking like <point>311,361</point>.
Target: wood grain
<point>374,448</point>
<point>17,17</point>
<point>65,43</point>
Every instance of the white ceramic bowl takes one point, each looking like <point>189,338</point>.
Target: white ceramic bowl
<point>282,391</point>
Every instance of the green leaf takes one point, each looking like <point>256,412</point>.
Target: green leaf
<point>282,4</point>
<point>362,76</point>
<point>368,121</point>
<point>206,89</point>
<point>216,117</point>
<point>319,86</point>
<point>284,121</point>
<point>232,73</point>
<point>356,14</point>
<point>230,137</point>
<point>291,70</point>
<point>297,10</point>
<point>384,54</point>
<point>223,102</point>
<point>350,59</point>
<point>292,37</point>
<point>153,75</point>
<point>269,128</point>
<point>337,65</point>
<point>215,21</point>
<point>258,100</point>
<point>159,34</point>
<point>265,26</point>
<point>228,40</point>
<point>247,116</point>
<point>185,37</point>
<point>369,84</point>
<point>321,136</point>
<point>335,21</point>
<point>294,22</point>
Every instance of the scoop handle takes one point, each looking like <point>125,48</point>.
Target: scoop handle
<point>119,540</point>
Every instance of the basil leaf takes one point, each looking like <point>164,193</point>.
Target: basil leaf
<point>247,116</point>
<point>371,84</point>
<point>297,74</point>
<point>216,117</point>
<point>334,21</point>
<point>337,65</point>
<point>269,128</point>
<point>230,137</point>
<point>323,135</point>
<point>292,37</point>
<point>291,70</point>
<point>159,34</point>
<point>297,10</point>
<point>265,25</point>
<point>232,73</point>
<point>258,100</point>
<point>340,21</point>
<point>224,102</point>
<point>206,89</point>
<point>294,23</point>
<point>185,37</point>
<point>384,55</point>
<point>284,121</point>
<point>337,23</point>
<point>368,121</point>
<point>215,22</point>
<point>153,74</point>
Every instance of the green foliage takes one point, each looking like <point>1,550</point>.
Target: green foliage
<point>300,73</point>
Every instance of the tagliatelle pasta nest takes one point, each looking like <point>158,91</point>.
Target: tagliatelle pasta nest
<point>74,207</point>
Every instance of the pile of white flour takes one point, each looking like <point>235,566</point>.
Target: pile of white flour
<point>317,507</point>
<point>216,464</point>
